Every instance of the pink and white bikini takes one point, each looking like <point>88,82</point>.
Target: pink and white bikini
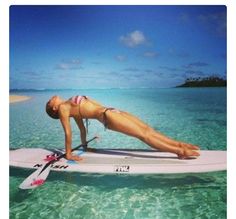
<point>78,99</point>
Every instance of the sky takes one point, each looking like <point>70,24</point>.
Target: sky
<point>73,47</point>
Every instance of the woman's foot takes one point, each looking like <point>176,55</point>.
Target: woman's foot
<point>188,146</point>
<point>187,153</point>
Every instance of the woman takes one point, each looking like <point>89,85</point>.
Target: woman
<point>82,107</point>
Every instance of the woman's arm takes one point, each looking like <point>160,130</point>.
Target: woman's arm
<point>64,115</point>
<point>65,121</point>
<point>82,129</point>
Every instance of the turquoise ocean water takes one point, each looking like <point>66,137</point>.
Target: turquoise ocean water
<point>195,115</point>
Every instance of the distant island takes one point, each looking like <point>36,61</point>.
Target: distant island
<point>212,81</point>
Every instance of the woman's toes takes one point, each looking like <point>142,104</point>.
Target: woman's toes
<point>186,153</point>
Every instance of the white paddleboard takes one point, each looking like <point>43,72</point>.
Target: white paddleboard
<point>121,161</point>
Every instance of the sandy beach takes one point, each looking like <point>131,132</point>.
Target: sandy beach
<point>18,98</point>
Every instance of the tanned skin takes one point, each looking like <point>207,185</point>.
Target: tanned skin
<point>117,121</point>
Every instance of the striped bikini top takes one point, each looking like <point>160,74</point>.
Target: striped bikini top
<point>78,99</point>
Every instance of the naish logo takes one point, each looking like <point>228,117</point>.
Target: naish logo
<point>53,166</point>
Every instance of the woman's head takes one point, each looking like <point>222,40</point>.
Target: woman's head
<point>52,107</point>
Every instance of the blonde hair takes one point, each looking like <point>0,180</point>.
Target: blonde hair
<point>53,114</point>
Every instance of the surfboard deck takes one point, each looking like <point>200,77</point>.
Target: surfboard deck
<point>120,161</point>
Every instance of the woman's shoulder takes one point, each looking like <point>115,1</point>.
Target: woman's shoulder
<point>64,107</point>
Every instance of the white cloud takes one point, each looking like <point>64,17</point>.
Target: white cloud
<point>69,65</point>
<point>150,54</point>
<point>215,23</point>
<point>120,58</point>
<point>62,66</point>
<point>75,61</point>
<point>133,39</point>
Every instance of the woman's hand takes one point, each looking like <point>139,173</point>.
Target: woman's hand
<point>73,157</point>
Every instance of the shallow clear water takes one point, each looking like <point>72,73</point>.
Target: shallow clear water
<point>195,115</point>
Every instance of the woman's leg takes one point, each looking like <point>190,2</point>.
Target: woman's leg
<point>161,136</point>
<point>127,124</point>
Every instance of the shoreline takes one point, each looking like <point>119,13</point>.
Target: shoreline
<point>18,98</point>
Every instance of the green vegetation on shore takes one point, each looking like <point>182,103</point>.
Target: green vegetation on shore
<point>212,81</point>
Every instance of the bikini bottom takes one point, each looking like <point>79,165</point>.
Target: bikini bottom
<point>105,122</point>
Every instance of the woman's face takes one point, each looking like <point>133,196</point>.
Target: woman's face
<point>53,100</point>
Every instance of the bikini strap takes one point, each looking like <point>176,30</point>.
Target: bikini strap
<point>105,117</point>
<point>77,99</point>
<point>86,124</point>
